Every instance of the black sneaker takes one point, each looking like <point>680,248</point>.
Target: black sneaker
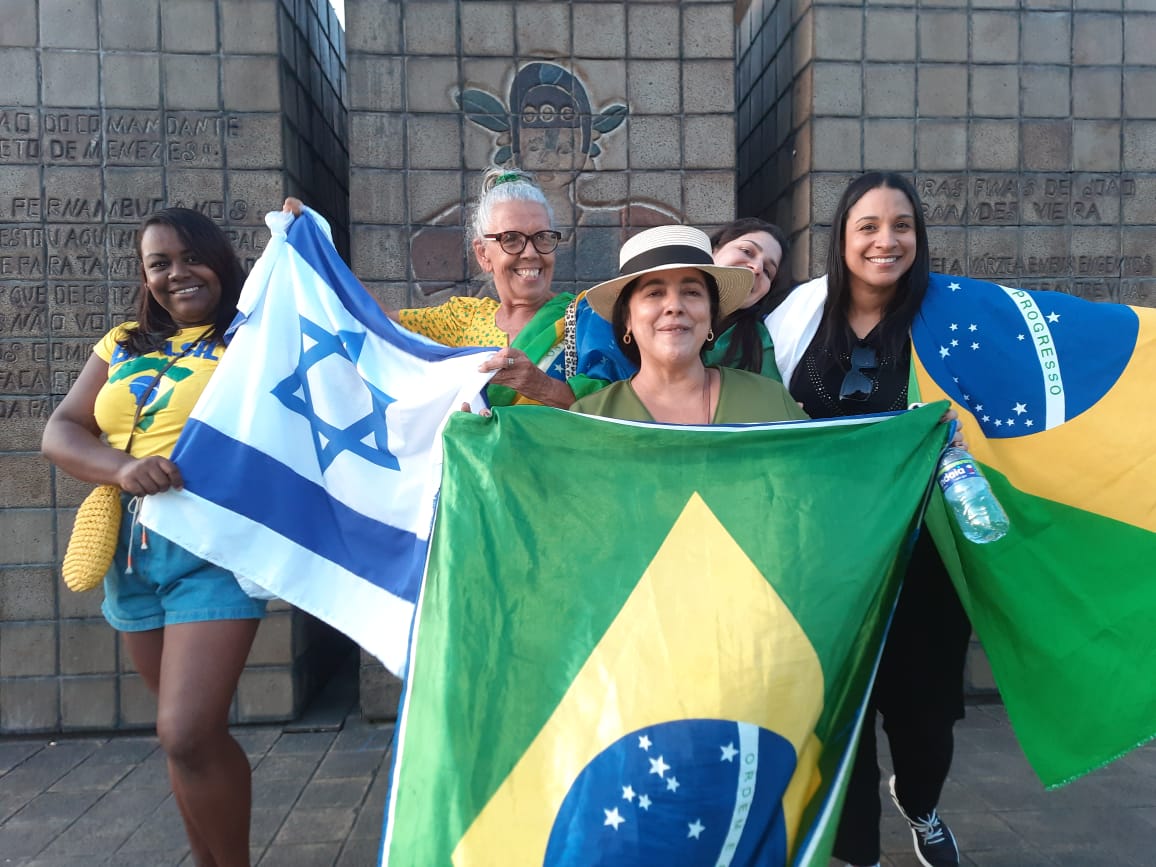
<point>934,842</point>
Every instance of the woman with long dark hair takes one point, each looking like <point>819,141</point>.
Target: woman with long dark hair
<point>842,343</point>
<point>186,623</point>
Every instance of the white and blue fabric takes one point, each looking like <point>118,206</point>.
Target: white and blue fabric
<point>312,460</point>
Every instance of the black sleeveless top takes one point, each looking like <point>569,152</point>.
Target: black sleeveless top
<point>820,375</point>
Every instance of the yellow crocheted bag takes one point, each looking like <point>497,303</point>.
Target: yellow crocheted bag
<point>93,540</point>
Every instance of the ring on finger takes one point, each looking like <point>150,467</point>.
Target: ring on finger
<point>509,362</point>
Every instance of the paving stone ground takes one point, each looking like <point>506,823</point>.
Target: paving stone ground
<point>319,798</point>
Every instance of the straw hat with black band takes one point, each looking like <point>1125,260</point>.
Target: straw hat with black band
<point>665,248</point>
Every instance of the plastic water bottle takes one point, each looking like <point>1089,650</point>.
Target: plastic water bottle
<point>977,511</point>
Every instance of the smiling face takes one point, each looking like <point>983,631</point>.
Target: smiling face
<point>525,277</point>
<point>757,251</point>
<point>879,240</point>
<point>177,279</point>
<point>669,315</point>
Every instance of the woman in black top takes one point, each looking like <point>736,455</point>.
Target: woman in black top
<point>844,349</point>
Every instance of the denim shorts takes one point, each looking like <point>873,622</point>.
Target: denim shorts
<point>168,584</point>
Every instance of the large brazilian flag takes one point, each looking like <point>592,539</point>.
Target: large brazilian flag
<point>1056,397</point>
<point>649,645</point>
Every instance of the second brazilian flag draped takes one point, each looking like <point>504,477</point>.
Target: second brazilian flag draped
<point>641,645</point>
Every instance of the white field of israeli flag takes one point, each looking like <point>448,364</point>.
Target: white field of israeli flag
<point>313,458</point>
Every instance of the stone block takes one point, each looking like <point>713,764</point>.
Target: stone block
<point>74,604</point>
<point>138,706</point>
<point>259,146</point>
<point>266,694</point>
<point>940,145</point>
<point>1139,146</point>
<point>1137,244</point>
<point>1138,292</point>
<point>890,35</point>
<point>1047,145</point>
<point>801,48</point>
<point>380,253</point>
<point>1045,250</point>
<point>18,72</point>
<point>942,91</point>
<point>380,691</point>
<point>659,188</point>
<point>652,30</point>
<point>836,145</point>
<point>1140,93</point>
<point>27,593</point>
<point>603,30</point>
<point>189,26</point>
<point>889,144</point>
<point>67,24</point>
<point>995,37</point>
<point>605,81</point>
<point>249,26</point>
<point>708,31</point>
<point>191,81</point>
<point>992,252</point>
<point>1046,91</point>
<point>430,28</point>
<point>1096,93</point>
<point>251,83</point>
<point>69,491</point>
<point>948,246</point>
<point>708,86</point>
<point>1096,145</point>
<point>710,197</point>
<point>654,87</point>
<point>1140,40</point>
<point>993,145</point>
<point>432,193</point>
<point>1137,210</point>
<point>376,83</point>
<point>655,143</point>
<point>487,29</point>
<point>839,33</point>
<point>995,91</point>
<point>373,26</point>
<point>274,642</point>
<point>200,188</point>
<point>87,647</point>
<point>889,90</point>
<point>25,480</point>
<point>435,142</point>
<point>838,89</point>
<point>28,649</point>
<point>377,140</point>
<point>251,193</point>
<point>377,196</point>
<point>29,704</point>
<point>431,83</point>
<point>131,80</point>
<point>17,24</point>
<point>1097,39</point>
<point>603,189</point>
<point>88,703</point>
<point>943,36</point>
<point>27,535</point>
<point>708,142</point>
<point>69,78</point>
<point>542,30</point>
<point>1046,37</point>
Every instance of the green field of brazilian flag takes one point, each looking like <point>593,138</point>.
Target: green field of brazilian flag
<point>648,646</point>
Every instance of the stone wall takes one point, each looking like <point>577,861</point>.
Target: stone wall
<point>109,110</point>
<point>1030,130</point>
<point>624,110</point>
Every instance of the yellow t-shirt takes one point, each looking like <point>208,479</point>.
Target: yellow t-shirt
<point>461,321</point>
<point>171,400</point>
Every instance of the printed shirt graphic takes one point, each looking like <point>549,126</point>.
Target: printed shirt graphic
<point>1056,405</point>
<point>171,400</point>
<point>678,684</point>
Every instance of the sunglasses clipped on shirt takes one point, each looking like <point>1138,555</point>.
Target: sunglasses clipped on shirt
<point>857,385</point>
<point>515,242</point>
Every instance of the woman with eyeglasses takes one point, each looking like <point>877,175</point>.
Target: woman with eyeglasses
<point>842,344</point>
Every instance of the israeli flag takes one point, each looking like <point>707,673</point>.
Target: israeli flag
<point>312,460</point>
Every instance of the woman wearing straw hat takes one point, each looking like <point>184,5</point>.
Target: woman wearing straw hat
<point>663,307</point>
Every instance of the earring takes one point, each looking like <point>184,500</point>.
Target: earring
<point>626,338</point>
<point>710,336</point>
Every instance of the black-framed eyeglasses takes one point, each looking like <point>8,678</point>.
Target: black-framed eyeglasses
<point>514,243</point>
<point>860,379</point>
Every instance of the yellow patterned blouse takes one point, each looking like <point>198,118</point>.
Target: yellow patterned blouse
<point>460,321</point>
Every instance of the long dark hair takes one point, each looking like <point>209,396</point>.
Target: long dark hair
<point>835,333</point>
<point>746,349</point>
<point>622,309</point>
<point>205,238</point>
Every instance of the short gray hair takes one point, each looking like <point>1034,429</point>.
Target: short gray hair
<point>504,185</point>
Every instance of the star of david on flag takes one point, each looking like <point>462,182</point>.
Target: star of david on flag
<point>312,461</point>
